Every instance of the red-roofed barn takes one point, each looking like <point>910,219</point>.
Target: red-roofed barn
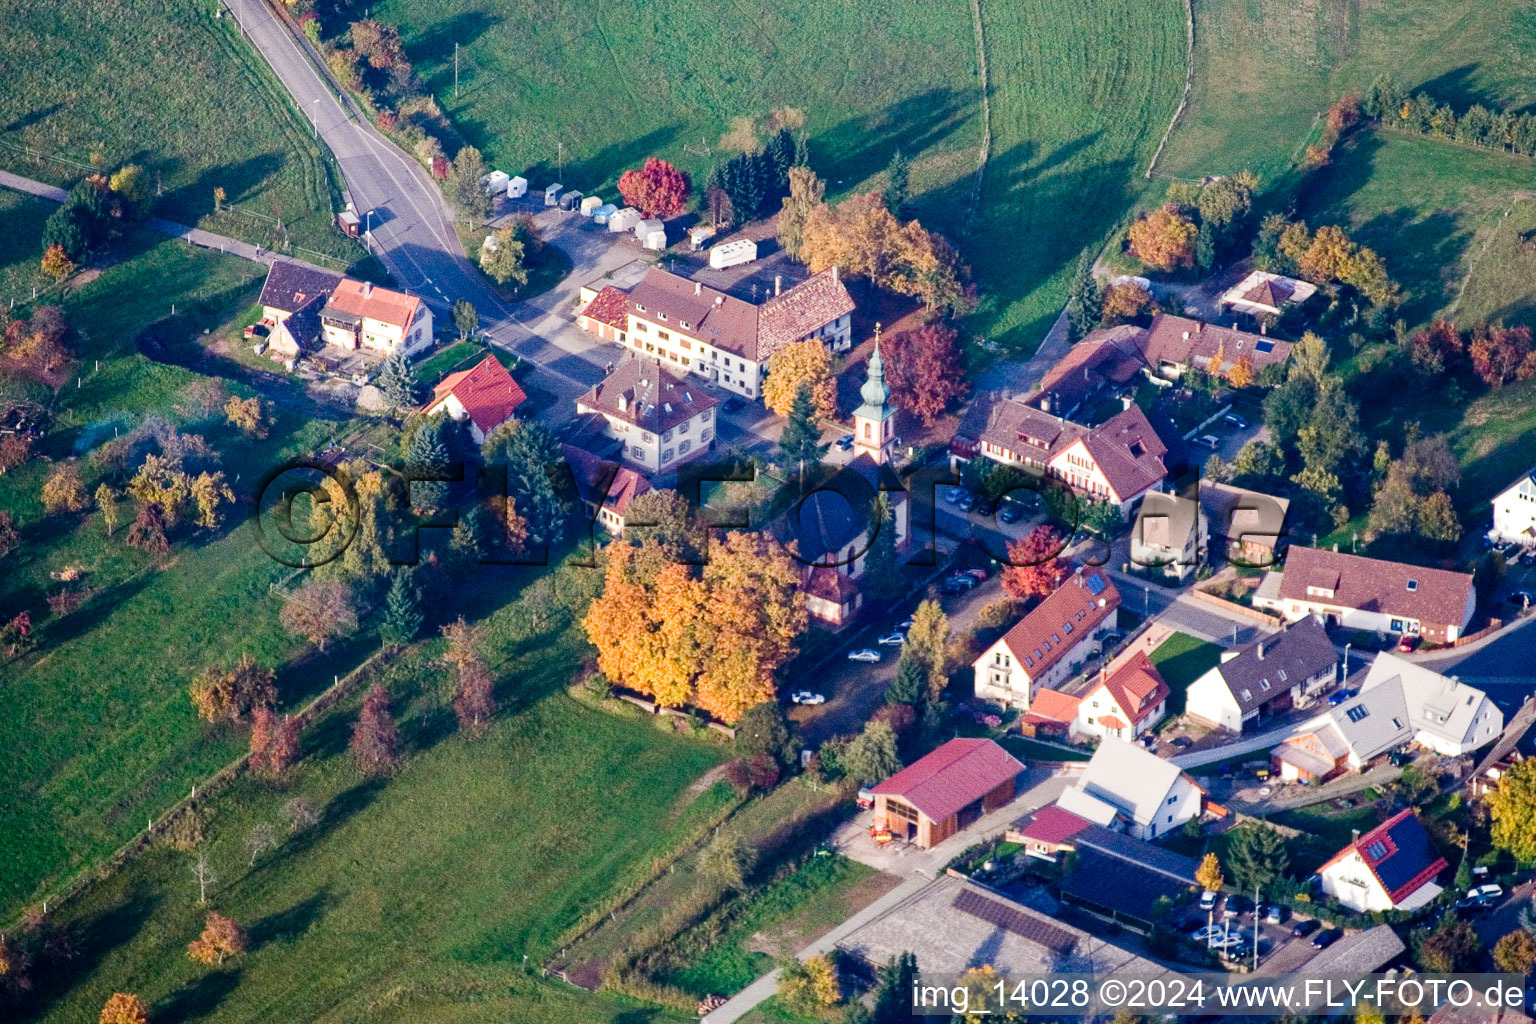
<point>940,794</point>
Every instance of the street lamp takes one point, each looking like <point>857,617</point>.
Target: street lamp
<point>314,116</point>
<point>368,231</point>
<point>1347,646</point>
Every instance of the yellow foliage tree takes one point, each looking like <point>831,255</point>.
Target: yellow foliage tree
<point>1163,239</point>
<point>1241,374</point>
<point>801,362</point>
<point>158,483</point>
<point>63,491</point>
<point>124,1008</point>
<point>1209,874</point>
<point>221,938</point>
<point>824,980</point>
<point>1328,257</point>
<point>56,263</point>
<point>248,415</point>
<point>209,491</point>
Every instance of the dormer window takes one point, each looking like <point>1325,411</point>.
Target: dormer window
<point>662,315</point>
<point>639,307</point>
<point>1413,585</point>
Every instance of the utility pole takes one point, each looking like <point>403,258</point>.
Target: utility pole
<point>314,116</point>
<point>560,160</point>
<point>455,70</point>
<point>1255,927</point>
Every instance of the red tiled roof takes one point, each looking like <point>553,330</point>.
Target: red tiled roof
<point>590,471</point>
<point>711,316</point>
<point>956,774</point>
<point>803,309</point>
<point>828,584</point>
<point>487,392</point>
<point>1105,355</point>
<point>1184,342</point>
<point>1054,825</point>
<point>1128,452</point>
<point>1398,853</point>
<point>608,307</point>
<point>367,300</point>
<point>1052,707</point>
<point>1437,598</point>
<point>1136,686</point>
<point>1063,620</point>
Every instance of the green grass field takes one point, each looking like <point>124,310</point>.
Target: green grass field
<point>1180,660</point>
<point>172,88</point>
<point>1079,96</point>
<point>1265,68</point>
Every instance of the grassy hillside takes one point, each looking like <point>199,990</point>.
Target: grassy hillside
<point>1080,94</point>
<point>1265,68</point>
<point>168,86</point>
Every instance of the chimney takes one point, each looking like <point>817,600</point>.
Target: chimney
<point>1261,650</point>
<point>367,289</point>
<point>778,283</point>
<point>1263,328</point>
<point>697,288</point>
<point>1356,834</point>
<point>834,271</point>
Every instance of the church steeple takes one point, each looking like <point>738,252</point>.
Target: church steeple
<point>873,422</point>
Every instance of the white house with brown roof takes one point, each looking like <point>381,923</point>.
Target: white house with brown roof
<point>1371,594</point>
<point>1514,512</point>
<point>361,315</point>
<point>1124,703</point>
<point>714,335</point>
<point>1169,534</point>
<point>660,419</point>
<point>1050,643</point>
<point>1269,676</point>
<point>483,397</point>
<point>1264,294</point>
<point>1244,527</point>
<point>606,488</point>
<point>1173,344</point>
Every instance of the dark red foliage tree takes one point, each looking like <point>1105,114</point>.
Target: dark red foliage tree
<point>925,371</point>
<point>1036,567</point>
<point>657,189</point>
<point>375,741</point>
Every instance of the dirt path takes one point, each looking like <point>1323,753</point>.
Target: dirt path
<point>985,152</point>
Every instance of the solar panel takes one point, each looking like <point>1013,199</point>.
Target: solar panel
<point>1096,585</point>
<point>1358,713</point>
<point>1015,921</point>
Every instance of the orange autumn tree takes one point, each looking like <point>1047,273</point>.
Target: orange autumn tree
<point>124,1008</point>
<point>1241,374</point>
<point>712,638</point>
<point>221,938</point>
<point>1164,239</point>
<point>801,362</point>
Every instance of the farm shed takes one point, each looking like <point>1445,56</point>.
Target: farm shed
<point>732,254</point>
<point>603,214</point>
<point>698,235</point>
<point>552,194</point>
<point>517,187</point>
<point>589,205</point>
<point>495,183</point>
<point>624,220</point>
<point>654,239</point>
<point>348,221</point>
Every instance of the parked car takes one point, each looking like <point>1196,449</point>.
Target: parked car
<point>1183,742</point>
<point>1276,914</point>
<point>903,625</point>
<point>845,442</point>
<point>1488,891</point>
<point>864,654</point>
<point>730,405</point>
<point>1340,696</point>
<point>892,640</point>
<point>1407,644</point>
<point>807,697</point>
<point>954,494</point>
<point>1521,599</point>
<point>1237,905</point>
<point>976,573</point>
<point>950,588</point>
<point>1208,900</point>
<point>1324,939</point>
<point>1304,928</point>
<point>964,580</point>
<point>1210,441</point>
<point>1008,512</point>
<point>1232,419</point>
<point>966,501</point>
<point>1209,933</point>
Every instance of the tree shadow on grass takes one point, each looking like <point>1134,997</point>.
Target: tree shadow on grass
<point>97,936</point>
<point>634,1016</point>
<point>198,998</point>
<point>343,806</point>
<point>290,924</point>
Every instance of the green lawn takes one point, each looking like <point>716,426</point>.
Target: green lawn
<point>1265,68</point>
<point>1181,659</point>
<point>416,899</point>
<point>1079,96</point>
<point>171,87</point>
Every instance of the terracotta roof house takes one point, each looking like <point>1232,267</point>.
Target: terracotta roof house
<point>484,396</point>
<point>1047,832</point>
<point>1169,534</point>
<point>1247,528</point>
<point>934,797</point>
<point>1050,643</point>
<point>1174,343</point>
<point>1101,364</point>
<point>1391,867</point>
<point>1124,703</point>
<point>1367,593</point>
<point>605,488</point>
<point>1129,788</point>
<point>1264,294</point>
<point>713,334</point>
<point>1052,712</point>
<point>361,315</point>
<point>1267,677</point>
<point>662,420</point>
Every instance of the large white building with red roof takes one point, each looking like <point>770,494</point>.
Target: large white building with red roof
<point>482,397</point>
<point>305,307</point>
<point>934,797</point>
<point>711,334</point>
<point>661,420</point>
<point>1049,644</point>
<point>1356,592</point>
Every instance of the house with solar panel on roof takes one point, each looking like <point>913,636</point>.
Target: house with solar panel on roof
<point>1050,644</point>
<point>1391,867</point>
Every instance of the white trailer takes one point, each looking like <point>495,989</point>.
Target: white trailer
<point>649,224</point>
<point>517,187</point>
<point>495,183</point>
<point>603,214</point>
<point>552,194</point>
<point>589,205</point>
<point>733,254</point>
<point>624,220</point>
<point>654,239</point>
<point>698,235</point>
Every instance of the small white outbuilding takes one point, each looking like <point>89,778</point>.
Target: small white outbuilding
<point>649,224</point>
<point>654,239</point>
<point>603,214</point>
<point>589,205</point>
<point>552,194</point>
<point>495,183</point>
<point>624,220</point>
<point>698,235</point>
<point>517,187</point>
<point>732,254</point>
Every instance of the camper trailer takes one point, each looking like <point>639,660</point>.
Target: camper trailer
<point>552,194</point>
<point>495,183</point>
<point>517,187</point>
<point>733,254</point>
<point>624,220</point>
<point>589,205</point>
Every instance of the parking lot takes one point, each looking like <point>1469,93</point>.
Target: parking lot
<point>1279,949</point>
<point>1228,436</point>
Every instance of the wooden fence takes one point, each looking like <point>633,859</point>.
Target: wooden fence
<point>1237,609</point>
